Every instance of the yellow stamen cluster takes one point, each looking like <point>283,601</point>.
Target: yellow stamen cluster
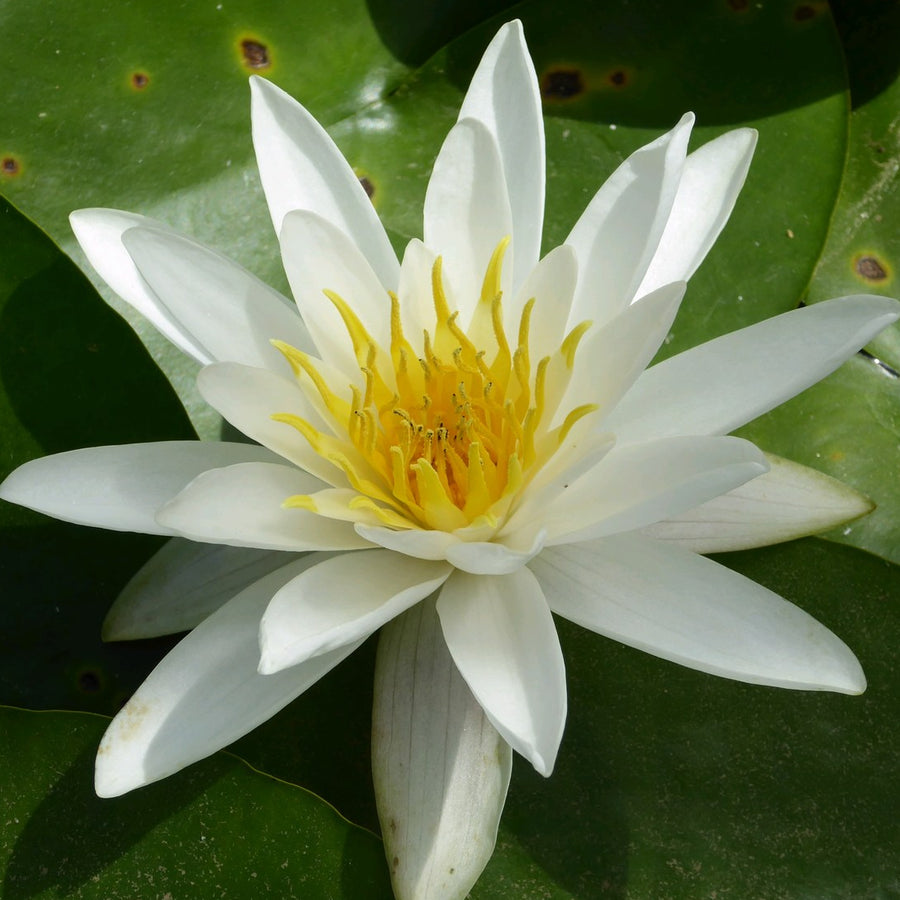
<point>446,438</point>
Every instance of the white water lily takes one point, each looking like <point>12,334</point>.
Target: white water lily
<point>473,428</point>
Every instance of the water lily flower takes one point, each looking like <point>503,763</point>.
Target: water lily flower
<point>451,448</point>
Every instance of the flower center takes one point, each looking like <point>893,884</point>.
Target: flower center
<point>443,438</point>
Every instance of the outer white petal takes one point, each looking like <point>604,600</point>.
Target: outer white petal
<point>637,484</point>
<point>317,257</point>
<point>504,95</point>
<point>248,398</point>
<point>467,212</point>
<point>720,385</point>
<point>205,694</point>
<point>494,557</point>
<point>688,609</point>
<point>441,770</point>
<point>99,232</point>
<point>787,502</point>
<point>301,168</point>
<point>618,233</point>
<point>342,600</point>
<point>710,183</point>
<point>241,506</point>
<point>610,358</point>
<point>230,313</point>
<point>502,638</point>
<point>417,542</point>
<point>120,487</point>
<point>182,584</point>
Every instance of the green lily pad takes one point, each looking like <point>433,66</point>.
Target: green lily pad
<point>218,830</point>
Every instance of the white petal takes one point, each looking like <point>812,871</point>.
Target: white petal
<point>182,584</point>
<point>494,557</point>
<point>230,313</point>
<point>241,506</point>
<point>710,183</point>
<point>414,542</point>
<point>720,385</point>
<point>342,600</point>
<point>502,638</point>
<point>787,502</point>
<point>301,168</point>
<point>120,487</point>
<point>610,358</point>
<point>318,256</point>
<point>205,694</point>
<point>504,95</point>
<point>552,284</point>
<point>441,770</point>
<point>248,398</point>
<point>690,610</point>
<point>99,232</point>
<point>467,212</point>
<point>618,233</point>
<point>637,484</point>
<point>415,293</point>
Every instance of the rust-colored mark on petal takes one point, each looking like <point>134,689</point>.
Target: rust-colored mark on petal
<point>139,80</point>
<point>255,54</point>
<point>870,267</point>
<point>10,166</point>
<point>618,78</point>
<point>562,83</point>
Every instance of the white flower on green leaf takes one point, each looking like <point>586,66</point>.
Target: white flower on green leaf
<point>472,427</point>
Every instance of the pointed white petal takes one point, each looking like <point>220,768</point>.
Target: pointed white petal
<point>637,484</point>
<point>230,313</point>
<point>552,284</point>
<point>494,557</point>
<point>690,610</point>
<point>241,506</point>
<point>204,694</point>
<point>317,257</point>
<point>787,502</point>
<point>441,770</point>
<point>248,398</point>
<point>618,233</point>
<point>415,542</point>
<point>182,584</point>
<point>712,179</point>
<point>720,385</point>
<point>610,358</point>
<point>99,232</point>
<point>342,600</point>
<point>504,95</point>
<point>467,212</point>
<point>120,487</point>
<point>301,168</point>
<point>415,293</point>
<point>503,640</point>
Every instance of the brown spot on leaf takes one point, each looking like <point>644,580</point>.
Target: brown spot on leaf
<point>9,165</point>
<point>870,268</point>
<point>89,681</point>
<point>618,78</point>
<point>255,53</point>
<point>139,80</point>
<point>367,185</point>
<point>562,84</point>
<point>804,12</point>
<point>739,5</point>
